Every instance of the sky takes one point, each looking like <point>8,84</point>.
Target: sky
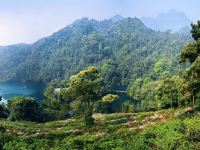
<point>26,21</point>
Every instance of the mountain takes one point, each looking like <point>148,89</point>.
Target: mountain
<point>116,18</point>
<point>122,50</point>
<point>172,20</point>
<point>184,30</point>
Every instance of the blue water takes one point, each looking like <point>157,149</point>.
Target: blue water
<point>11,89</point>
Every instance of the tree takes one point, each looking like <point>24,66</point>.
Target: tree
<point>24,108</point>
<point>52,100</point>
<point>190,53</point>
<point>168,92</point>
<point>105,105</point>
<point>196,30</point>
<point>84,89</point>
<point>110,98</point>
<point>134,89</point>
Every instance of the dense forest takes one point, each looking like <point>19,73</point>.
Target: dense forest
<point>123,49</point>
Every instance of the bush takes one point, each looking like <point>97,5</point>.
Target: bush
<point>24,108</point>
<point>27,144</point>
<point>106,104</point>
<point>188,113</point>
<point>102,107</point>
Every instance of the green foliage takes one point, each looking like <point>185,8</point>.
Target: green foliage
<point>55,105</point>
<point>122,51</point>
<point>111,131</point>
<point>159,67</point>
<point>84,89</point>
<point>110,98</point>
<point>51,97</point>
<point>24,108</point>
<point>105,105</point>
<point>160,94</point>
<point>191,53</point>
<point>196,30</point>
<point>134,89</point>
<point>27,144</point>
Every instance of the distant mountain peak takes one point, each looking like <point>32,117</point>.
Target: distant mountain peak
<point>78,21</point>
<point>116,18</point>
<point>134,20</point>
<point>172,20</point>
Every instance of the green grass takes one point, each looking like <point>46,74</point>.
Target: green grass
<point>160,130</point>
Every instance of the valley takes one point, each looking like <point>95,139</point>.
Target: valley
<point>76,76</point>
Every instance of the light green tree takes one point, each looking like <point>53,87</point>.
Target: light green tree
<point>84,89</point>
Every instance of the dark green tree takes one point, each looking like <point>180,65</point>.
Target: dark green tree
<point>191,54</point>
<point>24,108</point>
<point>52,99</point>
<point>105,105</point>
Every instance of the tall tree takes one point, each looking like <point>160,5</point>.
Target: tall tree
<point>191,54</point>
<point>84,90</point>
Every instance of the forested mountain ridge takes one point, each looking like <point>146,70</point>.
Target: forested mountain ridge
<point>122,50</point>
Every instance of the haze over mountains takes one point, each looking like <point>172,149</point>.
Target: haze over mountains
<point>172,20</point>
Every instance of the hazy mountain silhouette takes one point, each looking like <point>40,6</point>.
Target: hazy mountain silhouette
<point>172,20</point>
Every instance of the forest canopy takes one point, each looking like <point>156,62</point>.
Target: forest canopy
<point>123,51</point>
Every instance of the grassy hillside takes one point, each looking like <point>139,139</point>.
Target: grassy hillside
<point>166,129</point>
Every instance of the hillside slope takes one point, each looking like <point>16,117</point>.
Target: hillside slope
<point>123,50</point>
<point>166,129</point>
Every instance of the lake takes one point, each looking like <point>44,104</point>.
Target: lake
<point>11,89</point>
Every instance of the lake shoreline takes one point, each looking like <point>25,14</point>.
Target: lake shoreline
<point>8,90</point>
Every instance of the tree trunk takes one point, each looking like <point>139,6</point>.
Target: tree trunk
<point>85,114</point>
<point>171,103</point>
<point>193,100</point>
<point>178,103</point>
<point>85,119</point>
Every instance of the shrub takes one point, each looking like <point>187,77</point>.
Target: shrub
<point>24,108</point>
